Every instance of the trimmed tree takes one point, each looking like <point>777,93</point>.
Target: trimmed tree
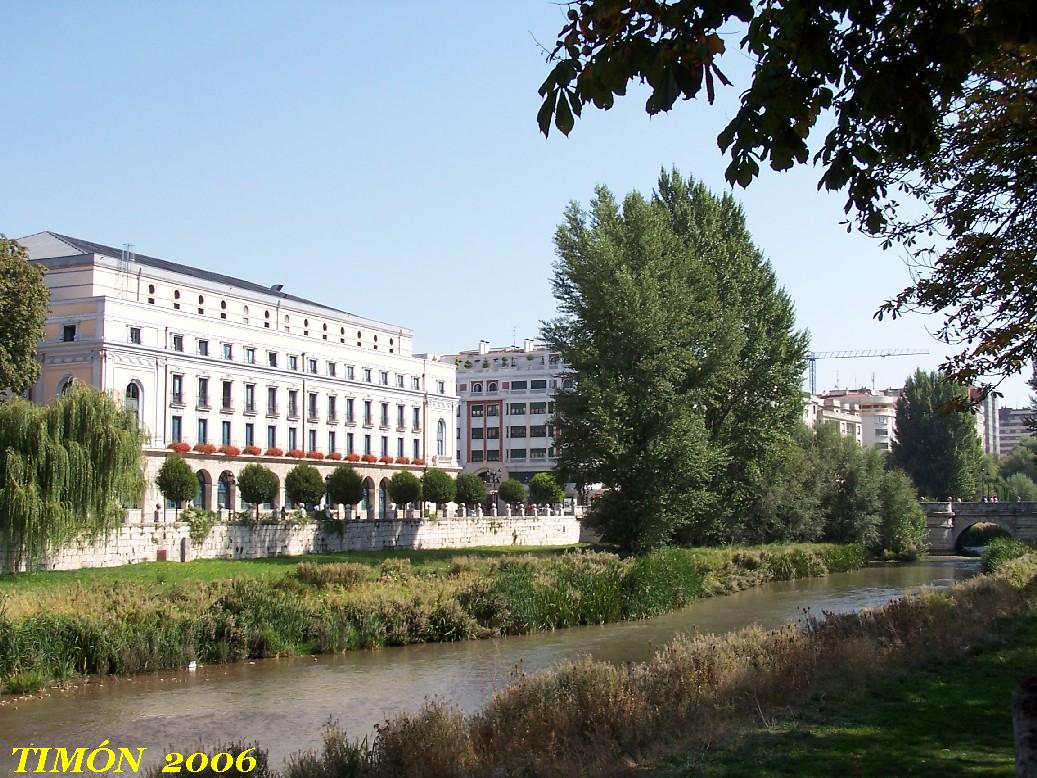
<point>257,485</point>
<point>405,487</point>
<point>437,486</point>
<point>512,491</point>
<point>345,486</point>
<point>24,299</point>
<point>470,489</point>
<point>304,484</point>
<point>544,489</point>
<point>176,481</point>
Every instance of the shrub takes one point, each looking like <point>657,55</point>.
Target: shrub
<point>24,682</point>
<point>437,486</point>
<point>544,488</point>
<point>512,491</point>
<point>661,581</point>
<point>231,451</point>
<point>257,484</point>
<point>469,489</point>
<point>200,522</point>
<point>274,451</point>
<point>179,447</point>
<point>405,487</point>
<point>345,574</point>
<point>304,484</point>
<point>1000,551</point>
<point>394,569</point>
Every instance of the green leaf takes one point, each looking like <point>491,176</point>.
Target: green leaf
<point>546,111</point>
<point>563,115</point>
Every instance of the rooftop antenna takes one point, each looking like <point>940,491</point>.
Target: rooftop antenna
<point>514,330</point>
<point>873,381</point>
<point>125,258</point>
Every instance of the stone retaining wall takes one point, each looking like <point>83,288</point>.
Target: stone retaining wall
<point>171,541</point>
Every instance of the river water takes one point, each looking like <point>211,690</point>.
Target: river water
<point>283,703</point>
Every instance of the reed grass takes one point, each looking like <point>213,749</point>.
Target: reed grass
<point>128,628</point>
<point>696,695</point>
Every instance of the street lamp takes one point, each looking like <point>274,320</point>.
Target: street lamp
<point>494,476</point>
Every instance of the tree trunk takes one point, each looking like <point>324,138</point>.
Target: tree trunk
<point>1024,722</point>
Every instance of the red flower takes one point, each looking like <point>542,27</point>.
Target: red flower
<point>274,451</point>
<point>253,450</point>
<point>352,457</point>
<point>314,455</point>
<point>419,461</point>
<point>180,447</point>
<point>368,458</point>
<point>403,460</point>
<point>334,455</point>
<point>296,453</point>
<point>231,451</point>
<point>205,448</point>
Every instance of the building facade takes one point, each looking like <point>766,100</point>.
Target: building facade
<point>1014,428</point>
<point>505,424</point>
<point>208,360</point>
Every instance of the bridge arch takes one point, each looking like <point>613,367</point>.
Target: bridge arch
<point>1006,528</point>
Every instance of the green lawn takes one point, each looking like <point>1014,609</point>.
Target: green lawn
<point>204,570</point>
<point>951,719</point>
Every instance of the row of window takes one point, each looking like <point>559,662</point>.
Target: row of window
<point>312,441</point>
<point>294,363</point>
<point>518,387</point>
<point>286,324</point>
<point>177,398</point>
<point>511,409</point>
<point>514,455</point>
<point>493,433</point>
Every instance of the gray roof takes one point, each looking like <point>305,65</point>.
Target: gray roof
<point>89,247</point>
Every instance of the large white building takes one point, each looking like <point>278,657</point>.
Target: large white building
<point>205,358</point>
<point>505,421</point>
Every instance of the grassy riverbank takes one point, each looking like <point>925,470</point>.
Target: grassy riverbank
<point>326,604</point>
<point>869,680</point>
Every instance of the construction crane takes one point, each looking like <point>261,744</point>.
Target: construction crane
<point>813,356</point>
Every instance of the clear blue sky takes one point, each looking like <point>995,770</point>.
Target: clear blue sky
<point>383,158</point>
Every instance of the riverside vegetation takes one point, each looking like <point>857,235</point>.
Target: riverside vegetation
<point>703,694</point>
<point>126,627</point>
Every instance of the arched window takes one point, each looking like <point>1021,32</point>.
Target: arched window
<point>383,499</point>
<point>132,401</point>
<point>66,383</point>
<point>492,387</point>
<point>441,438</point>
<point>477,387</point>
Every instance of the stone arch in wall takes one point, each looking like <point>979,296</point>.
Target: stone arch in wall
<point>227,491</point>
<point>203,497</point>
<point>441,438</point>
<point>367,502</point>
<point>383,498</point>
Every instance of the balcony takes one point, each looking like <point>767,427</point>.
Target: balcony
<point>227,407</point>
<point>250,409</point>
<point>368,423</point>
<point>416,428</point>
<point>176,399</point>
<point>312,417</point>
<point>203,404</point>
<point>350,422</point>
<point>293,411</point>
<point>332,418</point>
<point>271,411</point>
<point>401,428</point>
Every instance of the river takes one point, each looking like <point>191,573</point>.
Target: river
<point>283,703</point>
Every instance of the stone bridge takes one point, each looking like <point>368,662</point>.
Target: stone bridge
<point>945,521</point>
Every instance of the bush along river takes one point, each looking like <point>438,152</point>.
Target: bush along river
<point>283,703</point>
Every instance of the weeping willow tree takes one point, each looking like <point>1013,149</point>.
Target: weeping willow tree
<point>66,469</point>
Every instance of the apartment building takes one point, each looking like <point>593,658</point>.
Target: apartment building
<point>1014,428</point>
<point>204,358</point>
<point>505,410</point>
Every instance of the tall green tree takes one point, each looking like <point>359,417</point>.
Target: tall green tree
<point>470,489</point>
<point>257,484</point>
<point>544,489</point>
<point>68,468</point>
<point>931,104</point>
<point>24,299</point>
<point>437,486</point>
<point>176,481</point>
<point>902,530</point>
<point>936,445</point>
<point>685,360</point>
<point>511,491</point>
